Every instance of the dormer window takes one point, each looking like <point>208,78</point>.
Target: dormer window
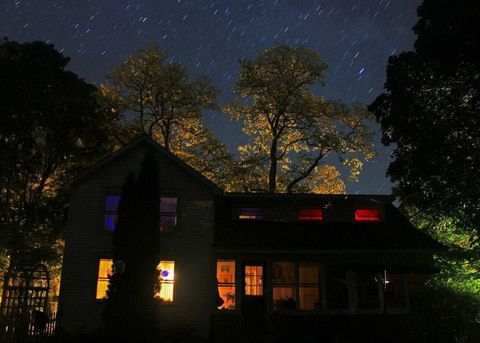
<point>367,215</point>
<point>250,213</point>
<point>310,214</point>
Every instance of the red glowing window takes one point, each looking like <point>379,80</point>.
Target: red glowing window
<point>310,214</point>
<point>367,215</point>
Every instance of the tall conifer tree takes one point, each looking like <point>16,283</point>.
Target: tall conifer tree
<point>129,314</point>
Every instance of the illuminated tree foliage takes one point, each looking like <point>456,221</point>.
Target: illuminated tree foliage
<point>50,128</point>
<point>151,95</point>
<point>292,129</point>
<point>130,310</point>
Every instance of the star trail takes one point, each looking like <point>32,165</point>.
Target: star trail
<point>354,37</point>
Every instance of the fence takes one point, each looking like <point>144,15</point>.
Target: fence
<point>16,327</point>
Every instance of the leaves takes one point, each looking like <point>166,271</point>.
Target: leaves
<point>293,130</point>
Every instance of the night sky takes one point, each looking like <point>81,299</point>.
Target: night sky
<point>354,37</point>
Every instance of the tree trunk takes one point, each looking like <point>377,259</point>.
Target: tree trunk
<point>272,175</point>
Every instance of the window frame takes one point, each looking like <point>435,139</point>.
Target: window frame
<point>293,285</point>
<point>238,213</point>
<point>96,278</point>
<point>227,284</point>
<point>115,192</point>
<point>173,282</point>
<point>310,218</point>
<point>367,218</point>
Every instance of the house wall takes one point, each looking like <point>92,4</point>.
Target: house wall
<point>189,246</point>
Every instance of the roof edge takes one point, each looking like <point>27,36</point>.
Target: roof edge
<point>143,139</point>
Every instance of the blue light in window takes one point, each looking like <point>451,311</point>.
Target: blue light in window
<point>164,273</point>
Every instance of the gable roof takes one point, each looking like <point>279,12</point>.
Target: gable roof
<point>144,139</point>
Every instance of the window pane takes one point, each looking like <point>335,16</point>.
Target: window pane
<point>168,214</point>
<point>310,214</point>
<point>283,273</point>
<point>226,271</point>
<point>368,290</point>
<point>309,288</point>
<point>166,278</point>
<point>226,283</point>
<point>104,271</point>
<point>250,214</point>
<point>111,203</point>
<point>337,289</point>
<point>227,293</point>
<point>394,290</point>
<point>111,211</point>
<point>254,280</point>
<point>367,215</point>
<point>309,298</point>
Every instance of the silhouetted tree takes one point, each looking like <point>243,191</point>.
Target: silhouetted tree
<point>130,308</point>
<point>431,111</point>
<point>51,127</point>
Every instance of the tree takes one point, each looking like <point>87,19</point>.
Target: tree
<point>130,310</point>
<point>51,126</point>
<point>292,129</point>
<point>431,111</point>
<point>158,98</point>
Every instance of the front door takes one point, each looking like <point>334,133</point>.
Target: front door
<point>254,303</point>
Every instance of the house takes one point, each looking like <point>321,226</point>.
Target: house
<point>236,261</point>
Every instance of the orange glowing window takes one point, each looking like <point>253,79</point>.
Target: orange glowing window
<point>367,215</point>
<point>310,214</point>
<point>254,280</point>
<point>226,284</point>
<point>250,214</point>
<point>104,272</point>
<point>166,281</point>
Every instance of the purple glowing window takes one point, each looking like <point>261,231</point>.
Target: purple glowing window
<point>168,213</point>
<point>111,212</point>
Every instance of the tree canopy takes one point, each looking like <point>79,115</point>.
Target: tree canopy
<point>431,111</point>
<point>151,95</point>
<point>292,129</point>
<point>51,126</point>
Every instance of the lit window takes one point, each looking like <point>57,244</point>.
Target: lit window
<point>254,280</point>
<point>250,214</point>
<point>367,215</point>
<point>104,272</point>
<point>111,212</point>
<point>166,281</point>
<point>284,286</point>
<point>226,284</point>
<point>310,214</point>
<point>309,287</point>
<point>168,214</point>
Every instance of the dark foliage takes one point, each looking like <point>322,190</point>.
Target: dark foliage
<point>50,128</point>
<point>130,314</point>
<point>431,111</point>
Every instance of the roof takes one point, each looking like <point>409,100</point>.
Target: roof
<point>384,198</point>
<point>144,139</point>
<point>394,233</point>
